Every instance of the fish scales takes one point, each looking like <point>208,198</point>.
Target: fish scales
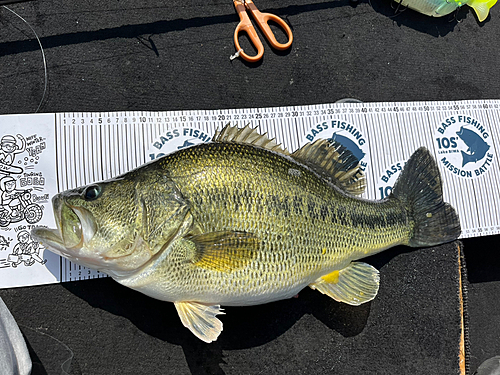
<point>249,189</point>
<point>240,221</point>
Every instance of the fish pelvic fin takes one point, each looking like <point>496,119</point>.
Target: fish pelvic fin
<point>200,319</point>
<point>224,251</point>
<point>482,8</point>
<point>355,284</point>
<point>420,189</point>
<point>333,162</point>
<point>249,136</point>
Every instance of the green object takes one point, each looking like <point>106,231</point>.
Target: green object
<point>439,8</point>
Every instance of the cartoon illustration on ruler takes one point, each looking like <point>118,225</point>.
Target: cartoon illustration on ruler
<point>21,198</point>
<point>4,243</point>
<point>16,204</point>
<point>26,250</point>
<point>9,147</point>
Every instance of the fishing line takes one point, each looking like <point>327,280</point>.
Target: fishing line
<point>43,57</point>
<point>66,364</point>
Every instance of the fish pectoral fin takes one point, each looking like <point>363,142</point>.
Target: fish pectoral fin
<point>356,284</point>
<point>224,251</point>
<point>200,319</point>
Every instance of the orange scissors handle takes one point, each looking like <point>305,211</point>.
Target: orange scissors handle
<point>246,26</point>
<point>263,22</point>
<point>262,19</point>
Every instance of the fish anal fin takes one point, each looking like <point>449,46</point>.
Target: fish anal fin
<point>224,251</point>
<point>248,135</point>
<point>200,319</point>
<point>355,284</point>
<point>331,278</point>
<point>335,163</point>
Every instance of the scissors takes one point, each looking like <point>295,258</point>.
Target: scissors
<point>262,19</point>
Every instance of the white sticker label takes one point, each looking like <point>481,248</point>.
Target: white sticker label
<point>464,146</point>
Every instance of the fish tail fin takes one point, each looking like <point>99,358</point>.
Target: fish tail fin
<point>482,8</point>
<point>420,189</point>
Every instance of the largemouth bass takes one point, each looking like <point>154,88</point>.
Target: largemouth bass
<point>241,221</point>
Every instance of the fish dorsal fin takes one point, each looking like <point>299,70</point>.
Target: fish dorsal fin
<point>250,136</point>
<point>224,251</point>
<point>333,162</point>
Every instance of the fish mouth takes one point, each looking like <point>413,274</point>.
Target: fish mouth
<point>75,227</point>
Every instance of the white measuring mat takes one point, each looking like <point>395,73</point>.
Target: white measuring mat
<point>43,154</point>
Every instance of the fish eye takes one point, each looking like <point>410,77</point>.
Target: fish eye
<point>91,192</point>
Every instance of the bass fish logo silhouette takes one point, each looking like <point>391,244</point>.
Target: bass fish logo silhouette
<point>477,147</point>
<point>464,146</point>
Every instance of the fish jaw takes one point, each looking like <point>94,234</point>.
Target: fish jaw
<point>68,233</point>
<point>51,239</point>
<point>77,237</point>
<point>75,228</point>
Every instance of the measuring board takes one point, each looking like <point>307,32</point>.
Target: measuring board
<point>47,153</point>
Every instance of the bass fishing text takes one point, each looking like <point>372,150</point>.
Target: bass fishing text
<point>464,146</point>
<point>336,124</point>
<point>177,139</point>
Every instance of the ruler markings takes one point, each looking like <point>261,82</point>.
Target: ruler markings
<point>117,142</point>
